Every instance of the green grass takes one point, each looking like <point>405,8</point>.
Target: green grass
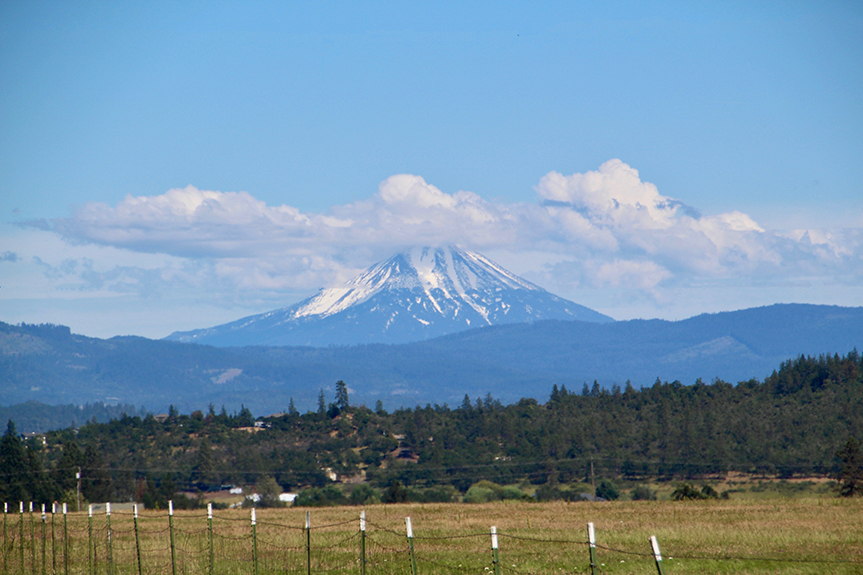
<point>791,535</point>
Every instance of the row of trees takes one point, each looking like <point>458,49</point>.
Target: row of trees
<point>790,424</point>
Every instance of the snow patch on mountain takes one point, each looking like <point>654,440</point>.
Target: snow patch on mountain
<point>420,293</point>
<point>453,271</point>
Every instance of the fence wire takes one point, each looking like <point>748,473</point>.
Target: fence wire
<point>230,544</point>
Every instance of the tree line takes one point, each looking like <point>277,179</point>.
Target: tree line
<point>801,420</point>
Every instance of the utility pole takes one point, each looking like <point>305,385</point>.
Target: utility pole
<point>78,477</point>
<point>592,476</point>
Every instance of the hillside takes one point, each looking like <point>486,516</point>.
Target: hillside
<point>48,363</point>
<point>792,423</point>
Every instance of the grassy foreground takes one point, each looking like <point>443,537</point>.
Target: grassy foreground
<point>720,536</point>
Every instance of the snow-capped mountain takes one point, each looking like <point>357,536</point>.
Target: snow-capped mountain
<point>415,295</point>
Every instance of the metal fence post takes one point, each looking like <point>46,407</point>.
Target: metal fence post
<point>654,545</point>
<point>5,539</point>
<point>494,557</point>
<point>32,542</point>
<point>171,529</point>
<point>44,542</point>
<point>210,533</point>
<point>53,540</point>
<point>109,539</point>
<point>308,543</point>
<point>255,540</point>
<point>591,541</point>
<point>362,542</point>
<point>410,531</point>
<point>65,543</point>
<point>137,537</point>
<point>90,538</point>
<point>21,539</point>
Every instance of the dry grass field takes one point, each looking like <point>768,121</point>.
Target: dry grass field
<point>792,535</point>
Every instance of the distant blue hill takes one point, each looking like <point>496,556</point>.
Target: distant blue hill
<point>49,364</point>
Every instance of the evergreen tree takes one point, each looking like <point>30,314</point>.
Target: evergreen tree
<point>15,482</point>
<point>95,479</point>
<point>204,468</point>
<point>342,401</point>
<point>245,418</point>
<point>70,462</point>
<point>851,474</point>
<point>322,403</point>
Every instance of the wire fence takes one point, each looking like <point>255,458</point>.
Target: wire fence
<point>42,542</point>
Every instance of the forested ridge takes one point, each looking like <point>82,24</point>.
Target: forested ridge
<point>792,423</point>
<point>47,362</point>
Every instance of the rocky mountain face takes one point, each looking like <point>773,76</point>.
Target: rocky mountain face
<point>413,296</point>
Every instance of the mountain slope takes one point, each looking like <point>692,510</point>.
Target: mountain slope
<point>49,364</point>
<point>413,296</point>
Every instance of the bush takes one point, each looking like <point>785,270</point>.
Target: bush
<point>643,493</point>
<point>443,494</point>
<point>688,491</point>
<point>363,494</point>
<point>320,497</point>
<point>479,494</point>
<point>395,493</point>
<point>549,492</point>
<point>607,490</point>
<point>485,491</point>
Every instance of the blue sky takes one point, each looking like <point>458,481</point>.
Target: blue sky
<point>644,159</point>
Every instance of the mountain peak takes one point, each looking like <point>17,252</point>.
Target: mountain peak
<point>417,294</point>
<point>456,273</point>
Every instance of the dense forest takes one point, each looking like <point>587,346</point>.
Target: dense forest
<point>792,423</point>
<point>34,416</point>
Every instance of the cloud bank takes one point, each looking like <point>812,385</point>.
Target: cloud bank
<point>603,228</point>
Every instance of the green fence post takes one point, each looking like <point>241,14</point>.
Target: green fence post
<point>21,539</point>
<point>137,538</point>
<point>65,543</point>
<point>255,540</point>
<point>5,538</point>
<point>494,558</point>
<point>591,541</point>
<point>171,529</point>
<point>210,534</point>
<point>32,542</point>
<point>90,538</point>
<point>109,541</point>
<point>308,543</point>
<point>410,531</point>
<point>44,542</point>
<point>53,540</point>
<point>654,545</point>
<point>362,542</point>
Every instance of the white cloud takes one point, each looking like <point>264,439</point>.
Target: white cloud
<point>603,228</point>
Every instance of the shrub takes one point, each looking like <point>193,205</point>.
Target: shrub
<point>485,491</point>
<point>643,493</point>
<point>363,494</point>
<point>320,497</point>
<point>443,494</point>
<point>687,491</point>
<point>395,493</point>
<point>607,490</point>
